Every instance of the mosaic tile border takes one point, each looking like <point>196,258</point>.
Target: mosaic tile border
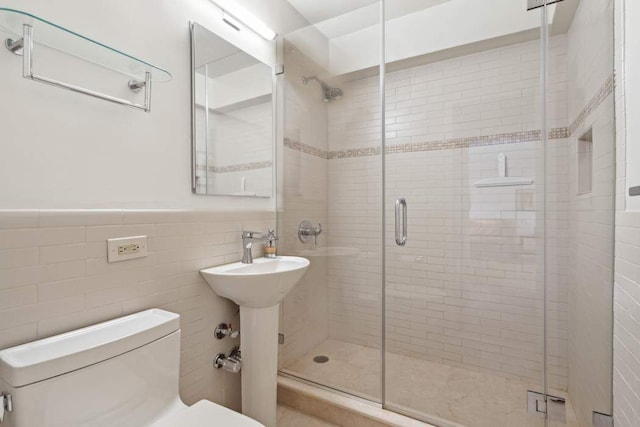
<point>304,148</point>
<point>606,90</point>
<point>357,152</point>
<point>475,141</point>
<point>236,168</point>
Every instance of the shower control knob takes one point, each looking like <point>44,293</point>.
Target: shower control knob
<point>306,230</point>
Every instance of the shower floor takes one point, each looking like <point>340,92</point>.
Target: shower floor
<point>454,394</point>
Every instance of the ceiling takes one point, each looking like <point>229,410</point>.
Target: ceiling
<point>318,11</point>
<point>335,18</point>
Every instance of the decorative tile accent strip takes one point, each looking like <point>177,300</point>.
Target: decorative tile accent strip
<point>559,133</point>
<point>236,168</point>
<point>241,167</point>
<point>603,93</point>
<point>304,148</point>
<point>475,141</point>
<point>448,144</point>
<point>358,152</point>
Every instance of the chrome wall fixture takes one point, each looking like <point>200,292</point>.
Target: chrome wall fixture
<point>306,231</point>
<point>230,362</point>
<point>328,93</point>
<point>6,405</point>
<point>547,406</point>
<point>225,330</point>
<point>25,48</point>
<point>401,221</point>
<point>248,238</point>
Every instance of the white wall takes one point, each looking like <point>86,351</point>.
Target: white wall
<point>631,67</point>
<point>64,150</point>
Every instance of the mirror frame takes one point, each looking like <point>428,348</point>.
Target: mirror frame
<point>276,70</point>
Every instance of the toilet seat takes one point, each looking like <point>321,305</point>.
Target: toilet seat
<point>206,414</point>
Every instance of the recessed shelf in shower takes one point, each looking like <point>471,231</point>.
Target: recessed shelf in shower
<point>27,34</point>
<point>502,180</point>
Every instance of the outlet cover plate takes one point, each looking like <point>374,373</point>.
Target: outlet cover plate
<point>126,248</point>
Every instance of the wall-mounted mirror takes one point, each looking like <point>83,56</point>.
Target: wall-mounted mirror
<point>232,119</point>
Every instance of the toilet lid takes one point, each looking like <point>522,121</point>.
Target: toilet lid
<point>206,414</point>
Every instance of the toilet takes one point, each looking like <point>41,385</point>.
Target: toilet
<point>122,373</point>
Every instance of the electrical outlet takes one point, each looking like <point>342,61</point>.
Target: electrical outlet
<point>125,248</point>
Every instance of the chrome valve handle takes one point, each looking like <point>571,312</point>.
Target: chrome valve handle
<point>306,230</point>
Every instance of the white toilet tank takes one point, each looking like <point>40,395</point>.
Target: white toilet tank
<point>118,373</point>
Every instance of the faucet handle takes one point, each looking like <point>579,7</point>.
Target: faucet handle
<point>251,234</point>
<point>306,230</point>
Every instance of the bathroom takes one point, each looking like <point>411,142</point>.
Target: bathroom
<point>455,173</point>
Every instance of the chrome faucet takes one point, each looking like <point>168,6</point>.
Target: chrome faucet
<point>248,239</point>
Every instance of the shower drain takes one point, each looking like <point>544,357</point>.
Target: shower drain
<point>321,359</point>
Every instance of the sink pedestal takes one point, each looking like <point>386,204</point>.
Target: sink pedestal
<point>259,346</point>
<point>258,289</point>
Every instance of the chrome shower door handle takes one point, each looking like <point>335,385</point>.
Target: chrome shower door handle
<point>401,221</point>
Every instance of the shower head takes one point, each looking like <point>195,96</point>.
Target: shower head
<point>328,93</point>
<point>332,93</point>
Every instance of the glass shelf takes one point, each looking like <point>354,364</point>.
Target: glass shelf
<point>54,36</point>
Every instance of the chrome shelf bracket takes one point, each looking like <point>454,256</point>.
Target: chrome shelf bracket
<point>24,47</point>
<point>14,46</point>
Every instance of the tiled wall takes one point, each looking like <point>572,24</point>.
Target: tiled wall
<point>626,344</point>
<point>464,290</point>
<point>54,277</point>
<point>591,228</point>
<point>239,151</point>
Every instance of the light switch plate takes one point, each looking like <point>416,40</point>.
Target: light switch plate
<point>126,248</point>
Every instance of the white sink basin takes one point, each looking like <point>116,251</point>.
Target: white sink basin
<point>261,284</point>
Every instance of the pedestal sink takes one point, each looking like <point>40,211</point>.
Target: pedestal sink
<point>258,289</point>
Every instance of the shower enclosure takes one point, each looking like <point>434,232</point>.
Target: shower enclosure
<point>459,156</point>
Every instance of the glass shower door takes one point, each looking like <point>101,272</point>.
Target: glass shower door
<point>331,169</point>
<point>463,178</point>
